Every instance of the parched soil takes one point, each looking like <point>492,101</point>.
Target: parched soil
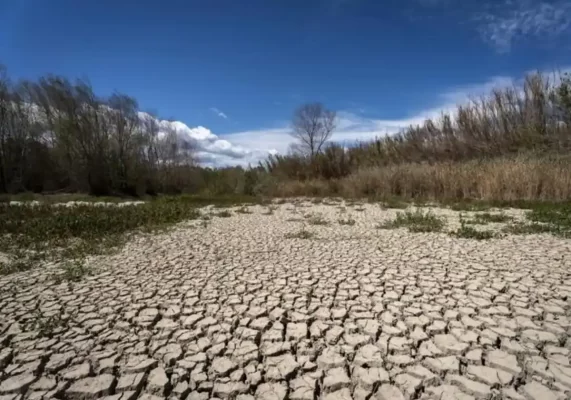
<point>237,308</point>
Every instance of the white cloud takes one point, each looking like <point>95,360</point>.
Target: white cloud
<point>513,20</point>
<point>218,112</point>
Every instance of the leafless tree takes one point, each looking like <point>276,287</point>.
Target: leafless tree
<point>312,126</point>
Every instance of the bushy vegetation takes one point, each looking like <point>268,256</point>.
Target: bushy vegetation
<point>31,233</point>
<point>301,234</point>
<point>58,135</point>
<point>467,232</point>
<point>346,221</point>
<point>486,218</point>
<point>511,145</point>
<point>415,221</point>
<point>545,218</point>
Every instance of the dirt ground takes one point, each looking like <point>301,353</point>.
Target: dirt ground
<point>237,308</point>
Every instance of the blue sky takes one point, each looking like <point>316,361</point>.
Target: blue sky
<point>233,71</point>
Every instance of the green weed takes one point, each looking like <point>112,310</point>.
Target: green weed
<point>467,232</point>
<point>417,221</point>
<point>317,220</point>
<point>301,234</point>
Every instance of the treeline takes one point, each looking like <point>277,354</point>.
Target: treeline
<point>509,121</point>
<point>56,135</point>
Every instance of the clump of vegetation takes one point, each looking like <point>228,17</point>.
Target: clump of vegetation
<point>485,218</point>
<point>47,326</point>
<point>72,271</point>
<point>34,233</point>
<point>301,234</point>
<point>223,214</point>
<point>545,218</point>
<point>467,232</point>
<point>526,228</point>
<point>316,220</point>
<point>417,221</point>
<point>346,221</point>
<point>394,203</point>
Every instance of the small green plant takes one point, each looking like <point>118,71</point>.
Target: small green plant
<point>523,228</point>
<point>346,221</point>
<point>72,271</point>
<point>223,214</point>
<point>317,220</point>
<point>394,203</point>
<point>417,221</point>
<point>467,232</point>
<point>46,326</point>
<point>485,218</point>
<point>301,234</point>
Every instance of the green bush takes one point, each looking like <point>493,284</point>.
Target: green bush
<point>417,221</point>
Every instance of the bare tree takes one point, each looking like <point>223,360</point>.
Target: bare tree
<point>312,126</point>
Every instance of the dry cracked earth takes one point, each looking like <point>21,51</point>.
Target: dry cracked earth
<point>235,309</point>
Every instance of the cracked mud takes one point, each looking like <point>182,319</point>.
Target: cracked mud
<point>238,310</point>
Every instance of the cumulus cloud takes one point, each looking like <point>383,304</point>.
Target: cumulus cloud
<point>211,150</point>
<point>513,20</point>
<point>218,112</point>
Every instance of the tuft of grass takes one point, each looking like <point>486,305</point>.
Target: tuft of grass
<point>524,228</point>
<point>467,232</point>
<point>47,326</point>
<point>485,218</point>
<point>301,234</point>
<point>346,221</point>
<point>317,220</point>
<point>72,271</point>
<point>394,203</point>
<point>417,221</point>
<point>15,265</point>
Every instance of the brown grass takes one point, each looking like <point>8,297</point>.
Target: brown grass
<point>501,179</point>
